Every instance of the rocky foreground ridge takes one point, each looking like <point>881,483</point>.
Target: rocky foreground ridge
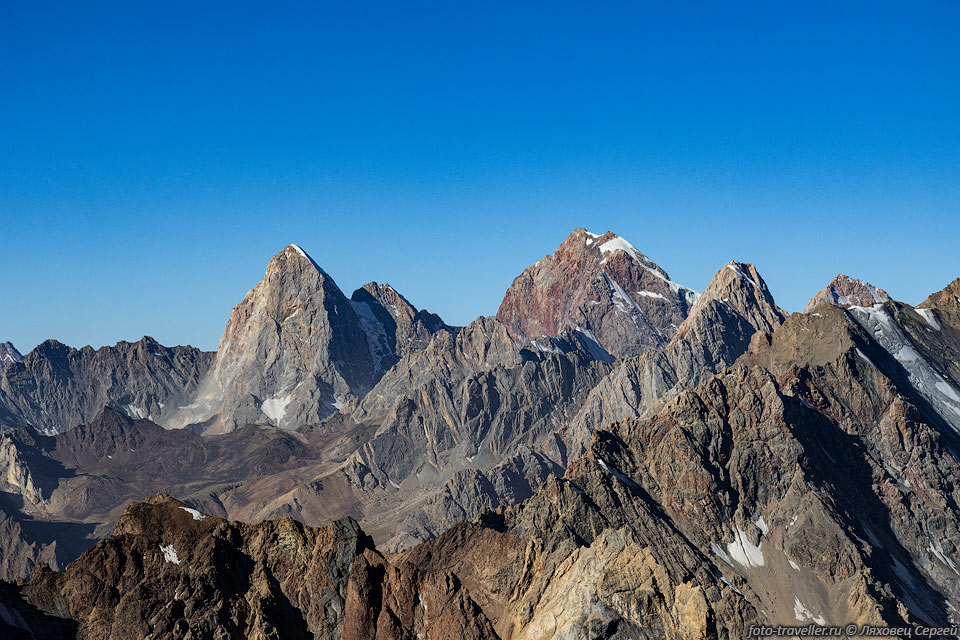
<point>550,473</point>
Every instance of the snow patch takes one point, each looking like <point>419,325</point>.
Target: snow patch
<point>651,294</point>
<point>743,551</point>
<point>740,272</point>
<point>616,473</point>
<point>135,412</point>
<point>802,613</point>
<point>196,514</point>
<point>169,554</point>
<point>927,314</point>
<point>720,553</point>
<point>593,345</point>
<point>393,484</point>
<point>619,244</point>
<point>377,342</point>
<point>762,525</point>
<point>793,564</point>
<point>275,408</point>
<point>300,251</point>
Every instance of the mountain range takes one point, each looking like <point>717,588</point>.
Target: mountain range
<point>613,455</point>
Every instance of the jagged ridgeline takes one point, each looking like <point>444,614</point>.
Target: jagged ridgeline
<point>613,455</point>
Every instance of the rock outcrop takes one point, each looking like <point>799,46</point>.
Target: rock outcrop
<point>170,571</point>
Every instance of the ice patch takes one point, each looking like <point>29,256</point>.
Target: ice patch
<point>802,613</point>
<point>196,514</point>
<point>762,525</point>
<point>927,314</point>
<point>169,554</point>
<point>743,551</point>
<point>338,403</point>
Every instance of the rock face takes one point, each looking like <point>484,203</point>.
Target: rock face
<point>57,387</point>
<point>296,349</point>
<point>292,352</point>
<point>735,306</point>
<point>845,291</point>
<point>8,355</point>
<point>601,287</point>
<point>393,326</point>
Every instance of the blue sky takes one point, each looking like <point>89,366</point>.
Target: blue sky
<point>156,155</point>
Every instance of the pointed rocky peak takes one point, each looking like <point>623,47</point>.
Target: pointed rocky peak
<point>393,325</point>
<point>846,291</point>
<point>739,288</point>
<point>8,355</point>
<point>293,351</point>
<point>947,299</point>
<point>386,299</point>
<point>602,287</point>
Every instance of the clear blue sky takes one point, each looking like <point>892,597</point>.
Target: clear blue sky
<point>155,155</point>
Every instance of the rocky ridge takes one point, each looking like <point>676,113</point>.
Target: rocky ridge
<point>56,387</point>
